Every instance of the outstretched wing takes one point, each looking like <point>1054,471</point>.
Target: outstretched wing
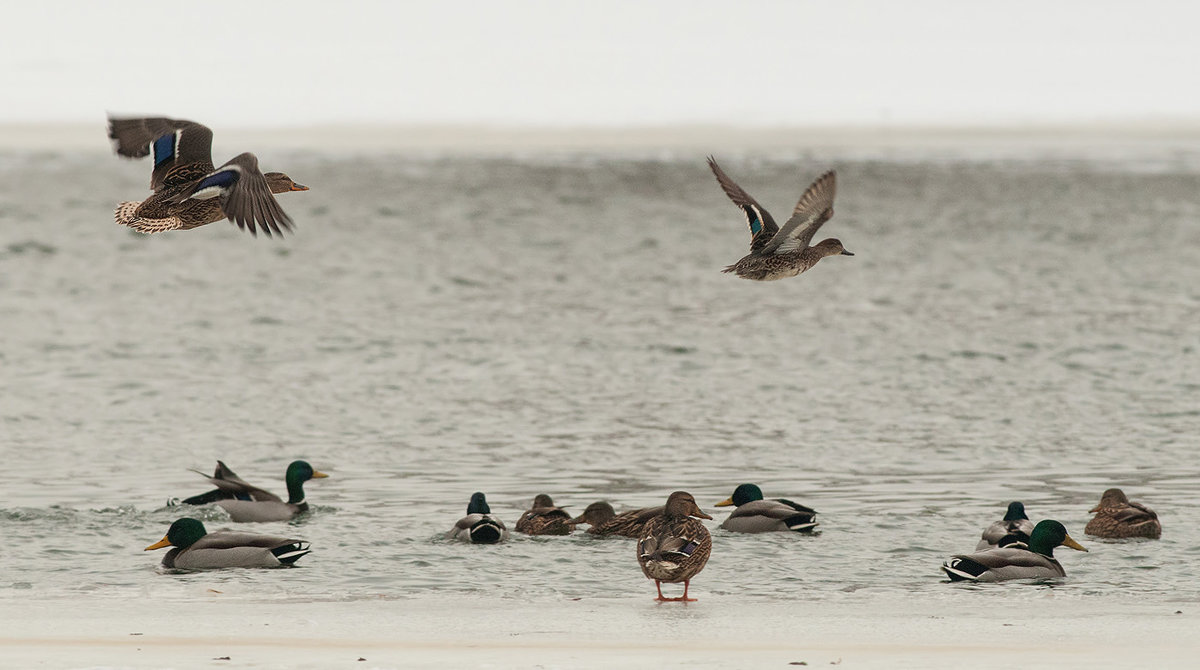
<point>814,209</point>
<point>181,150</point>
<point>762,226</point>
<point>245,196</point>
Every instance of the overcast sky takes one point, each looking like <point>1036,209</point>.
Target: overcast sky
<point>611,63</point>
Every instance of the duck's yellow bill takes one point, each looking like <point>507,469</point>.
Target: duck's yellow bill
<point>319,475</point>
<point>1068,542</point>
<point>725,503</point>
<point>160,544</point>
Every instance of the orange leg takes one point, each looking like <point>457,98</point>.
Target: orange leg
<point>658,585</point>
<point>685,588</point>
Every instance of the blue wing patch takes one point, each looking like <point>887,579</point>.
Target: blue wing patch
<point>223,180</point>
<point>164,149</point>
<point>755,220</point>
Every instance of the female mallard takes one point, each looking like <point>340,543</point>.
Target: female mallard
<point>197,549</point>
<point>478,526</point>
<point>605,521</point>
<point>250,503</point>
<point>1014,562</point>
<point>755,515</point>
<point>545,519</point>
<point>1014,528</point>
<point>1116,516</point>
<point>774,253</point>
<point>674,546</point>
<point>188,191</point>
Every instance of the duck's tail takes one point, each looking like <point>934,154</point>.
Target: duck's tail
<point>126,215</point>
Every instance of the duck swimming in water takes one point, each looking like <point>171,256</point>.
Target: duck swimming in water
<point>478,526</point>
<point>1116,516</point>
<point>189,191</point>
<point>756,515</point>
<point>1014,528</point>
<point>544,518</point>
<point>604,519</point>
<point>197,549</point>
<point>778,253</point>
<point>1015,562</point>
<point>245,502</point>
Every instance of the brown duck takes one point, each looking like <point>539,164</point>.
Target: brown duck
<point>544,518</point>
<point>675,547</point>
<point>604,520</point>
<point>1116,516</point>
<point>778,253</point>
<point>188,191</point>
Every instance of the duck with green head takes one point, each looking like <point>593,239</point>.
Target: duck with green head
<point>675,546</point>
<point>1015,562</point>
<point>1014,528</point>
<point>776,253</point>
<point>478,526</point>
<point>544,518</point>
<point>756,515</point>
<point>604,520</point>
<point>197,549</point>
<point>189,191</point>
<point>247,503</point>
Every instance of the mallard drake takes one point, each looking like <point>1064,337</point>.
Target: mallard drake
<point>478,526</point>
<point>755,515</point>
<point>1014,562</point>
<point>1116,516</point>
<point>197,549</point>
<point>604,519</point>
<point>775,253</point>
<point>675,547</point>
<point>1014,528</point>
<point>544,518</point>
<point>244,502</point>
<point>188,191</point>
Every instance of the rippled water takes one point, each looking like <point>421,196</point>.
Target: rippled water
<point>1014,330</point>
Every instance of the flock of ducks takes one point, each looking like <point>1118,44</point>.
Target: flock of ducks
<point>673,544</point>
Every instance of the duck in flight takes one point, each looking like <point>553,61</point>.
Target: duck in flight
<point>776,253</point>
<point>189,191</point>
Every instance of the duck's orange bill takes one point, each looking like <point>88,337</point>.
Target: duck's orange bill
<point>317,474</point>
<point>725,503</point>
<point>160,544</point>
<point>298,187</point>
<point>1068,542</point>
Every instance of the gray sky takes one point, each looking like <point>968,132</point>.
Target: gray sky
<point>608,63</point>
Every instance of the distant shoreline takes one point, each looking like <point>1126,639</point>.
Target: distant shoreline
<point>1066,139</point>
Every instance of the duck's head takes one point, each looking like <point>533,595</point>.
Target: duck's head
<point>681,504</point>
<point>183,534</point>
<point>595,514</point>
<point>1111,498</point>
<point>478,504</point>
<point>301,471</point>
<point>1049,534</point>
<point>542,500</point>
<point>831,247</point>
<point>1016,512</point>
<point>742,495</point>
<point>281,183</point>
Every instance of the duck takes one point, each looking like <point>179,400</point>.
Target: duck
<point>1116,517</point>
<point>246,503</point>
<point>779,253</point>
<point>478,526</point>
<point>674,546</point>
<point>197,549</point>
<point>544,518</point>
<point>756,515</point>
<point>604,520</point>
<point>1014,528</point>
<point>189,191</point>
<point>1015,562</point>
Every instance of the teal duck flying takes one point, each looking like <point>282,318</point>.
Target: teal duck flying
<point>778,253</point>
<point>188,190</point>
<point>197,549</point>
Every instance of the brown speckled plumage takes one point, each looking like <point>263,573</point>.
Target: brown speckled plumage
<point>605,521</point>
<point>1117,517</point>
<point>675,547</point>
<point>776,253</point>
<point>544,518</point>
